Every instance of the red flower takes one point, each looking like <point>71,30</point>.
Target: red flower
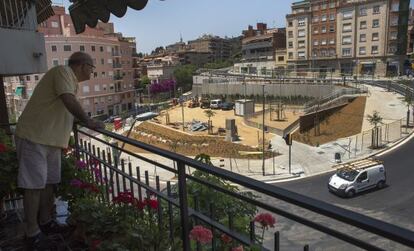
<point>152,203</point>
<point>95,244</point>
<point>140,205</point>
<point>225,238</point>
<point>94,162</point>
<point>239,248</point>
<point>201,234</point>
<point>265,219</point>
<point>3,148</point>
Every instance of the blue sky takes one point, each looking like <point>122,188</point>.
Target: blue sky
<point>161,22</point>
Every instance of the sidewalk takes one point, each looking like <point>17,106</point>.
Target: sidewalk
<point>306,160</point>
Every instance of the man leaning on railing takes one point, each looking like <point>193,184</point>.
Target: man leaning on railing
<point>42,131</point>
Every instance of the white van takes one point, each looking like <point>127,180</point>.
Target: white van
<point>352,178</point>
<point>215,103</point>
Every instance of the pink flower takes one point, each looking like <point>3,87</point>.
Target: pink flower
<point>239,248</point>
<point>80,164</point>
<point>3,148</point>
<point>265,219</point>
<point>201,234</point>
<point>124,197</point>
<point>225,238</point>
<point>98,174</point>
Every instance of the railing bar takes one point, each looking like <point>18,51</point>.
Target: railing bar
<point>170,213</point>
<point>123,176</point>
<point>184,210</point>
<point>101,179</point>
<point>211,216</point>
<point>134,154</point>
<point>131,187</point>
<point>118,187</point>
<point>277,241</point>
<point>252,232</point>
<point>139,182</point>
<point>147,192</point>
<point>106,176</point>
<point>157,182</point>
<point>111,180</point>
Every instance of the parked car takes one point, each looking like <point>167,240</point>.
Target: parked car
<point>215,103</point>
<point>146,116</point>
<point>226,106</point>
<point>110,119</point>
<point>355,177</point>
<point>205,103</point>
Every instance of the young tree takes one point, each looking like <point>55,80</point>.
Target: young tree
<point>408,102</point>
<point>209,113</point>
<point>375,119</point>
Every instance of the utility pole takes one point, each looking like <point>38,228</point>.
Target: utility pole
<point>263,131</point>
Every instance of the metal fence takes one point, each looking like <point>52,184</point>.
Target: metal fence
<point>18,14</point>
<point>133,172</point>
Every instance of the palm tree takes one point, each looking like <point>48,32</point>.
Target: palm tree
<point>209,113</point>
<point>374,120</point>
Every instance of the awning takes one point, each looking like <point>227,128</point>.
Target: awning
<point>19,91</point>
<point>87,12</point>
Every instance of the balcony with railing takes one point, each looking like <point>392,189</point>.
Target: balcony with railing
<point>116,65</point>
<point>118,77</point>
<point>160,200</point>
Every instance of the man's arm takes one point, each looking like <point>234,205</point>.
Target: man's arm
<point>72,104</point>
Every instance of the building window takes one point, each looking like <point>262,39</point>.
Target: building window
<point>392,49</point>
<point>95,74</point>
<point>347,14</point>
<point>346,40</point>
<point>347,27</point>
<point>109,60</point>
<point>27,78</point>
<point>101,49</point>
<point>363,11</point>
<point>315,42</point>
<point>290,44</point>
<point>103,74</point>
<point>331,28</point>
<point>290,34</point>
<point>323,30</point>
<point>102,61</point>
<point>394,21</point>
<point>375,36</point>
<point>332,16</point>
<point>86,101</point>
<point>376,9</point>
<point>332,52</point>
<point>97,88</point>
<point>65,61</point>
<point>315,19</point>
<point>54,24</point>
<point>67,48</point>
<point>36,77</point>
<point>280,58</point>
<point>374,49</point>
<point>362,51</point>
<point>301,22</point>
<point>323,18</point>
<point>323,42</point>
<point>54,48</point>
<point>324,6</point>
<point>375,23</point>
<point>315,30</point>
<point>55,62</point>
<point>393,35</point>
<point>93,48</point>
<point>82,48</point>
<point>395,6</point>
<point>301,44</point>
<point>290,55</point>
<point>290,24</point>
<point>301,33</point>
<point>332,4</point>
<point>332,41</point>
<point>301,54</point>
<point>363,25</point>
<point>314,53</point>
<point>104,87</point>
<point>362,38</point>
<point>346,52</point>
<point>85,88</point>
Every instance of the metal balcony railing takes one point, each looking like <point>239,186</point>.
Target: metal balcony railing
<point>116,65</point>
<point>117,77</point>
<point>116,54</point>
<point>125,173</point>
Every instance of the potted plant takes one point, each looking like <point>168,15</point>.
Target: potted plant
<point>8,169</point>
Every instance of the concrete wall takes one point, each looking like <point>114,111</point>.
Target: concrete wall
<point>286,90</point>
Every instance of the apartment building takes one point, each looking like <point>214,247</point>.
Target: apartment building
<point>349,37</point>
<point>111,89</point>
<point>259,49</point>
<point>220,48</point>
<point>298,37</point>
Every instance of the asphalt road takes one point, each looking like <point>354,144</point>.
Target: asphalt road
<point>393,204</point>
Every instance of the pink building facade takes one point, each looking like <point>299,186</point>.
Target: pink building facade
<point>111,89</point>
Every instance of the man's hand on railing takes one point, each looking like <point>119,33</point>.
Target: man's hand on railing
<point>95,124</point>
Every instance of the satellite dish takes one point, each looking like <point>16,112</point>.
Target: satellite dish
<point>117,7</point>
<point>137,4</point>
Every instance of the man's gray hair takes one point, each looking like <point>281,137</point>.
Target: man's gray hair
<point>79,58</point>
